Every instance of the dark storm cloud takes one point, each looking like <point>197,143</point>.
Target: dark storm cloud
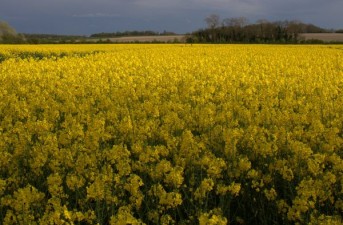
<point>90,16</point>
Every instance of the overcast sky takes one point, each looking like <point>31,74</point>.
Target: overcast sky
<point>92,16</point>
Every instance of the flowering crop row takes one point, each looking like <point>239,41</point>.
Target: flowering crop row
<point>171,134</point>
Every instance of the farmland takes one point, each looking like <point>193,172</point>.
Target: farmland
<point>325,37</point>
<point>171,134</point>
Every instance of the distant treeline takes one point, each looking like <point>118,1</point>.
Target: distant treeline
<point>238,30</point>
<point>52,38</point>
<point>130,33</point>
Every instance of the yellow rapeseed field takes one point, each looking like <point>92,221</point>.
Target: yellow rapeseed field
<point>171,134</point>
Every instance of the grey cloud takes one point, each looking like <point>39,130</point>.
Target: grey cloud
<point>97,15</point>
<point>88,16</point>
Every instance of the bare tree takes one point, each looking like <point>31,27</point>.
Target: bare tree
<point>213,21</point>
<point>294,27</point>
<point>265,29</point>
<point>235,22</point>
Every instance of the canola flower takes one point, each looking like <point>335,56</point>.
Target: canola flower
<point>171,134</point>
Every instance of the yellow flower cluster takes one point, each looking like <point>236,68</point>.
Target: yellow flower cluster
<point>171,134</point>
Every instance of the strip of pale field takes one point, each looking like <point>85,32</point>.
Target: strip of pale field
<point>327,37</point>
